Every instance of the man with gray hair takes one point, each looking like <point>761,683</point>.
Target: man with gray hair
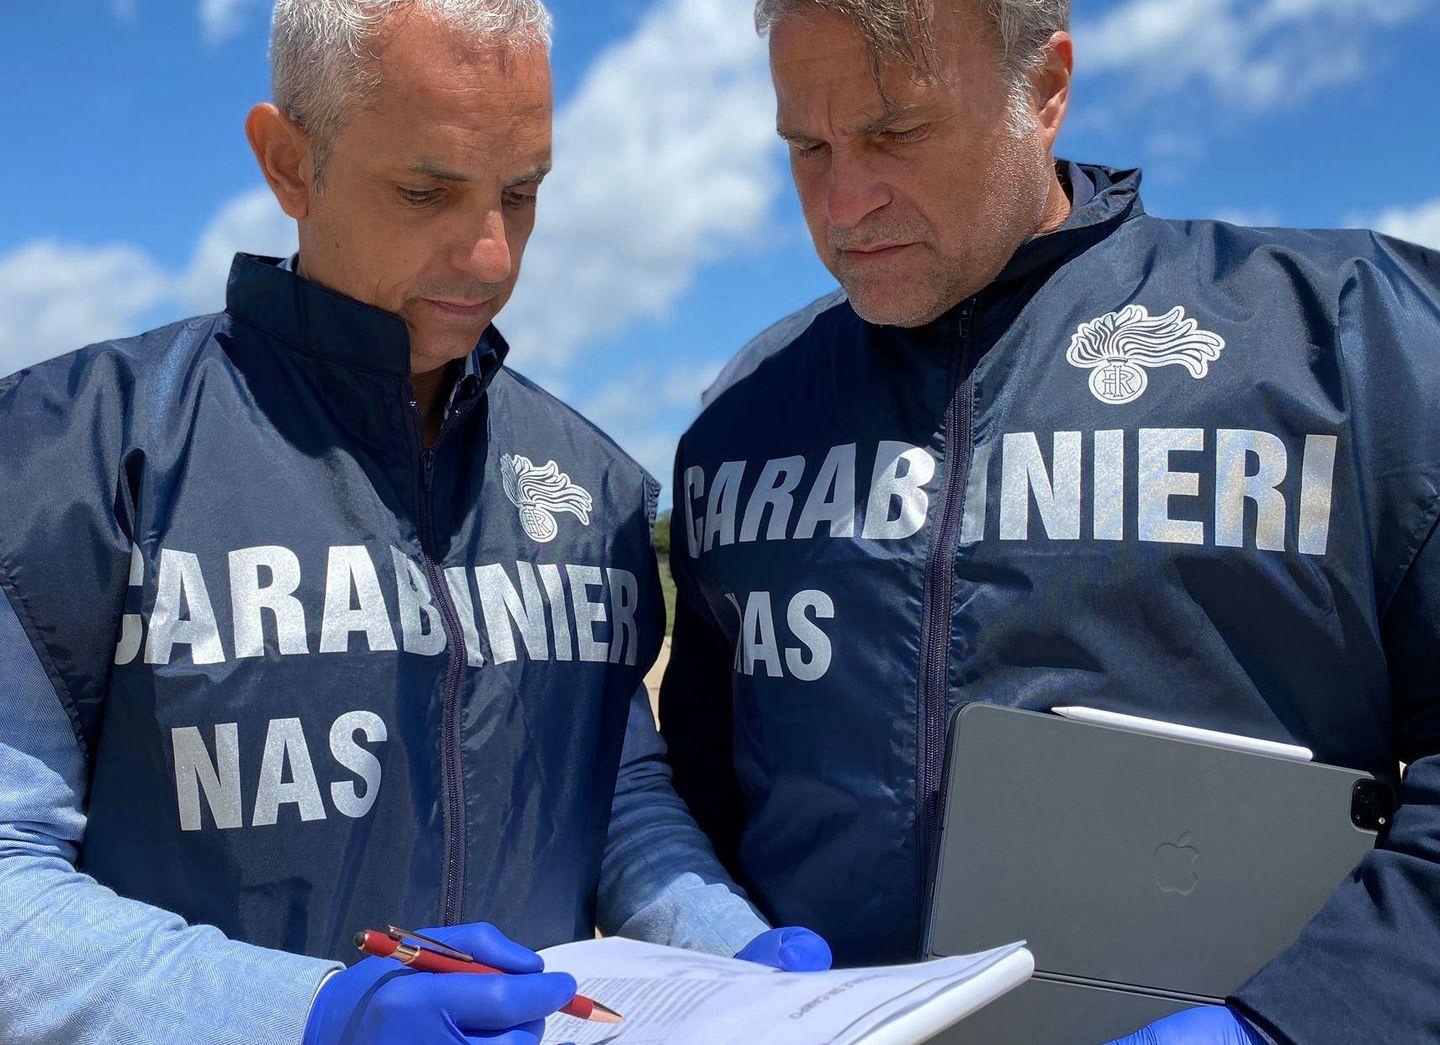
<point>1043,449</point>
<point>317,618</point>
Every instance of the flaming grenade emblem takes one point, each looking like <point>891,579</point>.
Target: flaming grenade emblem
<point>1117,347</point>
<point>541,492</point>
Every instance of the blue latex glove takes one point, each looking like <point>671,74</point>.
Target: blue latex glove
<point>379,1000</point>
<point>1204,1025</point>
<point>791,949</point>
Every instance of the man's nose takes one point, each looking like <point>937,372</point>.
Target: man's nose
<point>853,193</point>
<point>484,254</point>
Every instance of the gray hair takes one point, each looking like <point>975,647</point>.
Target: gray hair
<point>319,50</point>
<point>900,30</point>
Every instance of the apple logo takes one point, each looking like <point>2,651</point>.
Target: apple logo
<point>1175,866</point>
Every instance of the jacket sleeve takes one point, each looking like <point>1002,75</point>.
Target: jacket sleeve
<point>660,880</point>
<point>1367,968</point>
<point>696,710</point>
<point>67,498</point>
<point>80,963</point>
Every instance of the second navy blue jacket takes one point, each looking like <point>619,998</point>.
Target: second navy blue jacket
<point>1183,470</point>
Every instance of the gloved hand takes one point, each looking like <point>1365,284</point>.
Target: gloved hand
<point>1204,1025</point>
<point>791,949</point>
<point>379,1001</point>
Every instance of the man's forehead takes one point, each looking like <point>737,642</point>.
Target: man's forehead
<point>415,45</point>
<point>477,108</point>
<point>857,105</point>
<point>464,116</point>
<point>457,151</point>
<point>502,86</point>
<point>820,58</point>
<point>424,70</point>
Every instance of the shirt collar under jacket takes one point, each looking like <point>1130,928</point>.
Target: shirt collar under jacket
<point>268,293</point>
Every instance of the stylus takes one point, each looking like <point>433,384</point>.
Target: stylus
<point>1203,736</point>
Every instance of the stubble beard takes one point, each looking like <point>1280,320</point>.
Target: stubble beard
<point>949,280</point>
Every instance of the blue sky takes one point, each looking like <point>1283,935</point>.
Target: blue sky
<point>668,234</point>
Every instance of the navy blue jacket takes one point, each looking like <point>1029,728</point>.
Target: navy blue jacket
<point>1179,469</point>
<point>326,678</point>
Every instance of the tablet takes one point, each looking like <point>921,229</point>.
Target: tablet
<point>1147,872</point>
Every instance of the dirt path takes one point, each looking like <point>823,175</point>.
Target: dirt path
<point>652,680</point>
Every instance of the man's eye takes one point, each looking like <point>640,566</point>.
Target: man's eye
<point>419,197</point>
<point>914,134</point>
<point>520,199</point>
<point>807,148</point>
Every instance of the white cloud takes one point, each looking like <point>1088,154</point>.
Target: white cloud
<point>665,159</point>
<point>222,19</point>
<point>252,222</point>
<point>1258,217</point>
<point>1419,224</point>
<point>1251,55</point>
<point>644,389</point>
<point>55,297</point>
<point>645,410</point>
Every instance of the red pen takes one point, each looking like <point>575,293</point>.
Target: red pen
<point>433,956</point>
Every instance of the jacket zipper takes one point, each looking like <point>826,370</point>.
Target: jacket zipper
<point>939,586</point>
<point>453,867</point>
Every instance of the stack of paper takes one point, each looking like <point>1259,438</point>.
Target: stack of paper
<point>670,996</point>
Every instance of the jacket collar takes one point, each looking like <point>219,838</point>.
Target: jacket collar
<point>328,324</point>
<point>1102,198</point>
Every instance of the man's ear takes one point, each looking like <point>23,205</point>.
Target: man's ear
<point>1052,87</point>
<point>283,150</point>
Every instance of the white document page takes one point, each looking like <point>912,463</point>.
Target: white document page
<point>668,996</point>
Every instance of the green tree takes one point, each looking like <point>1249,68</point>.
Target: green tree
<point>660,537</point>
